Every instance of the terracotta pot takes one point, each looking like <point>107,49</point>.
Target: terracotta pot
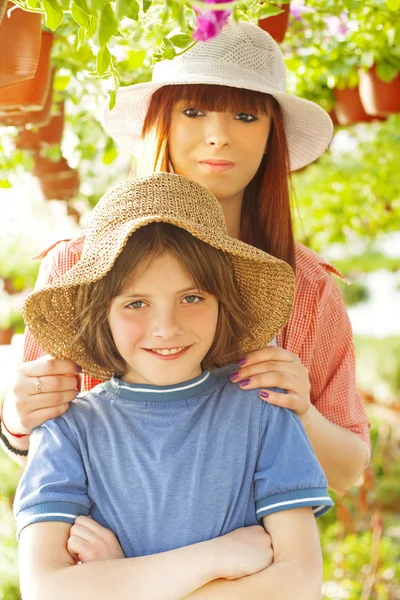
<point>45,166</point>
<point>3,4</point>
<point>6,335</point>
<point>61,186</point>
<point>38,118</point>
<point>333,117</point>
<point>49,135</point>
<point>348,107</point>
<point>30,95</point>
<point>378,97</point>
<point>20,41</point>
<point>276,26</point>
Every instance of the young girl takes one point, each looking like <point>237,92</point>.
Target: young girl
<point>170,457</point>
<point>219,115</point>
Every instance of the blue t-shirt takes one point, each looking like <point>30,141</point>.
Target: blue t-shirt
<point>165,467</point>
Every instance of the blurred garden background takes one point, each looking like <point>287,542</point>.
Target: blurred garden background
<point>56,161</point>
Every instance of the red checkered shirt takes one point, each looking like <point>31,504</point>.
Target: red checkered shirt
<point>319,332</point>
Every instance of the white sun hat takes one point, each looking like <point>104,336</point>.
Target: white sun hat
<point>241,56</point>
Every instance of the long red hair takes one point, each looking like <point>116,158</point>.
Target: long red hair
<point>266,214</point>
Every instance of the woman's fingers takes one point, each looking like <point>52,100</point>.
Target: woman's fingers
<point>295,403</point>
<point>47,365</point>
<point>45,384</point>
<point>268,353</point>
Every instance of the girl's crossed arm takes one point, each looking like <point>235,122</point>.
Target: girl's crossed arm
<point>48,571</point>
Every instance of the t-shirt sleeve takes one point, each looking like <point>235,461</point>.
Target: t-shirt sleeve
<point>288,474</point>
<point>53,486</point>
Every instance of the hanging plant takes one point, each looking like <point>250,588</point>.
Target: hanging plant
<point>274,20</point>
<point>48,135</point>
<point>379,98</point>
<point>348,107</point>
<point>20,40</point>
<point>30,95</point>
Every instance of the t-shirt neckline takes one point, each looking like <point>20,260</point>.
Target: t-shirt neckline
<point>150,393</point>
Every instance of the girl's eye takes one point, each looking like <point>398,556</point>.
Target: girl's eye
<point>192,299</point>
<point>245,117</point>
<point>135,304</point>
<point>192,113</point>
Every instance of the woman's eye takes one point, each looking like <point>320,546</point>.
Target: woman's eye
<point>192,299</point>
<point>136,304</point>
<point>192,112</point>
<point>246,117</point>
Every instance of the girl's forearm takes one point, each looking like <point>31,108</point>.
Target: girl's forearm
<point>341,453</point>
<point>166,576</point>
<point>282,580</point>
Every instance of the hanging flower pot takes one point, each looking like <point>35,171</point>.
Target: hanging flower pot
<point>348,107</point>
<point>3,4</point>
<point>37,118</point>
<point>45,166</point>
<point>48,135</point>
<point>60,186</point>
<point>30,95</point>
<point>6,336</point>
<point>20,40</point>
<point>378,97</point>
<point>277,26</point>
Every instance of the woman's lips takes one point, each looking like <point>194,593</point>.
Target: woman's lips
<point>217,165</point>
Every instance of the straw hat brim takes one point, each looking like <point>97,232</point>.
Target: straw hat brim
<point>308,127</point>
<point>265,283</point>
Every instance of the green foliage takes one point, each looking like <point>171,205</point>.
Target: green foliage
<point>378,365</point>
<point>352,192</point>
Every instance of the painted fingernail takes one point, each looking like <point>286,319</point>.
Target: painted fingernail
<point>234,375</point>
<point>241,362</point>
<point>79,369</point>
<point>264,394</point>
<point>244,382</point>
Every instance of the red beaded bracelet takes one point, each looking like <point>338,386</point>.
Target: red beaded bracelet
<point>16,435</point>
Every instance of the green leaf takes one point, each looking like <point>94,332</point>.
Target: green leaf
<point>128,8</point>
<point>81,17</point>
<point>386,72</point>
<point>5,184</point>
<point>182,40</point>
<point>54,14</point>
<point>393,4</point>
<point>61,82</point>
<point>113,99</point>
<point>103,60</point>
<point>269,10</point>
<point>146,5</point>
<point>107,26</point>
<point>82,35</point>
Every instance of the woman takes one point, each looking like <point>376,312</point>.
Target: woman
<point>219,115</point>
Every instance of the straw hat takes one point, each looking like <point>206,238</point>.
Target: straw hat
<point>266,284</point>
<point>241,56</point>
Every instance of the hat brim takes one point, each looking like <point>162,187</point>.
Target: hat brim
<point>308,127</point>
<point>265,284</point>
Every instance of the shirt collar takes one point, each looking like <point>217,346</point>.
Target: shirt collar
<point>168,393</point>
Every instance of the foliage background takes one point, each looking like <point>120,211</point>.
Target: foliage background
<point>347,204</point>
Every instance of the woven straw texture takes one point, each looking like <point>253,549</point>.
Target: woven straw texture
<point>242,56</point>
<point>266,284</point>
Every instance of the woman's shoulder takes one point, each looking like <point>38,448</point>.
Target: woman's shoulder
<point>312,268</point>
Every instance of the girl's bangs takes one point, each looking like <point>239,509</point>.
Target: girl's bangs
<point>217,98</point>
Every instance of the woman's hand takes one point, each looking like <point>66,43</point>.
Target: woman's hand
<point>248,550</point>
<point>275,367</point>
<point>42,390</point>
<point>88,542</point>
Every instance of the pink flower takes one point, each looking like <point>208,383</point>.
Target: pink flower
<point>337,25</point>
<point>210,23</point>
